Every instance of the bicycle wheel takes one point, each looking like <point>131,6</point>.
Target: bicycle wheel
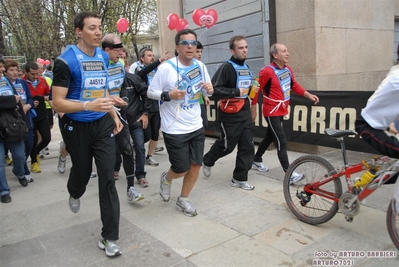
<point>393,223</point>
<point>311,208</point>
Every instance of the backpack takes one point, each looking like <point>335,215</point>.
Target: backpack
<point>12,126</point>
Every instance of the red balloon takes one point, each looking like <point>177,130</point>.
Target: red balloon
<point>211,17</point>
<point>197,14</point>
<point>47,62</point>
<point>40,61</point>
<point>122,25</point>
<point>183,24</point>
<point>172,21</point>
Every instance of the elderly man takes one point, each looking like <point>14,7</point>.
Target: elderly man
<point>276,82</point>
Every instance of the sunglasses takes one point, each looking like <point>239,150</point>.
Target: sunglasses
<point>188,42</point>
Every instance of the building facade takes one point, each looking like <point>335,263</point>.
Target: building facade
<point>338,48</point>
<point>333,44</point>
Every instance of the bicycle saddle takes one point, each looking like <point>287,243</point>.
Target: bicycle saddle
<point>338,133</point>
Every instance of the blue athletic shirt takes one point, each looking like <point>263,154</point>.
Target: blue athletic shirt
<point>5,87</point>
<point>244,77</point>
<point>191,78</point>
<point>89,79</point>
<point>116,75</point>
<point>150,75</point>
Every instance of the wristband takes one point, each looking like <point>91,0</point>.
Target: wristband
<point>165,96</point>
<point>84,105</point>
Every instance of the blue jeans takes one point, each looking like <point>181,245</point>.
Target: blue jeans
<point>18,161</point>
<point>28,149</point>
<point>137,135</point>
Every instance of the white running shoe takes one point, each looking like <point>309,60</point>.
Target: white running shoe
<point>242,184</point>
<point>110,247</point>
<point>296,177</point>
<point>164,188</point>
<point>61,164</point>
<point>206,170</point>
<point>259,166</point>
<point>182,204</point>
<point>134,195</point>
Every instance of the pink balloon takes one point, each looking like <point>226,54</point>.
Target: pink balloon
<point>172,21</point>
<point>197,16</point>
<point>122,25</point>
<point>183,24</point>
<point>47,62</point>
<point>211,17</point>
<point>40,61</point>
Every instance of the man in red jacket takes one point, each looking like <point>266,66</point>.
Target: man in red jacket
<point>40,92</point>
<point>276,82</point>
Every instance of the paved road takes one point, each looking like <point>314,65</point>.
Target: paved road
<point>233,227</point>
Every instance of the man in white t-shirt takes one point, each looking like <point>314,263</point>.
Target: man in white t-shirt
<point>179,83</point>
<point>375,119</point>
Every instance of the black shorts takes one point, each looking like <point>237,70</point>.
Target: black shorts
<point>185,149</point>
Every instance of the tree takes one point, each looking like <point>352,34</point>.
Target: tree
<point>41,28</point>
<point>2,45</point>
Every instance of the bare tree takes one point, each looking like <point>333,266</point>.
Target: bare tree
<point>41,28</point>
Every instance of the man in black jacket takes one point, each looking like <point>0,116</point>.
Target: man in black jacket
<point>231,84</point>
<point>134,91</point>
<point>146,69</point>
<point>112,45</point>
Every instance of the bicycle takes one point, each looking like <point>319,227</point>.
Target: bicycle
<point>318,196</point>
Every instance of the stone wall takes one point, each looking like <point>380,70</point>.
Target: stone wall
<point>338,44</point>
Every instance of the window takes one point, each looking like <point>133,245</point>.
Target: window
<point>144,45</point>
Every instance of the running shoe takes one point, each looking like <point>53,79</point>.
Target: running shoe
<point>74,204</point>
<point>8,160</point>
<point>61,164</point>
<point>259,166</point>
<point>296,177</point>
<point>164,188</point>
<point>182,204</point>
<point>6,198</point>
<point>242,184</point>
<point>134,195</point>
<point>110,247</point>
<point>206,170</point>
<point>159,149</point>
<point>29,178</point>
<point>35,168</point>
<point>150,161</point>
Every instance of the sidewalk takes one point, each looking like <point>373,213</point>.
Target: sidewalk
<point>233,227</point>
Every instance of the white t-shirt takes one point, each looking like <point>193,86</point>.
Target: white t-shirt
<point>133,67</point>
<point>177,116</point>
<point>394,71</point>
<point>383,109</point>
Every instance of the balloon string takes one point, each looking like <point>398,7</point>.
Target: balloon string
<point>202,33</point>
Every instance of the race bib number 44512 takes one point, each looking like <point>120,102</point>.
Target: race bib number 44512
<point>95,82</point>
